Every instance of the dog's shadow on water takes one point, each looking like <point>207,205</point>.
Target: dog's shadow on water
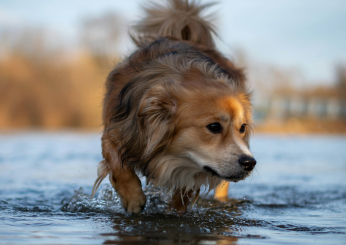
<point>171,239</point>
<point>208,220</point>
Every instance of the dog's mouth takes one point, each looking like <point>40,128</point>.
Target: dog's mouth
<point>211,171</point>
<point>233,178</point>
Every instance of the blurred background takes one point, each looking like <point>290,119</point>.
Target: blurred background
<point>55,56</point>
<point>54,59</point>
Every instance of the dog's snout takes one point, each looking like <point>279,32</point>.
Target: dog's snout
<point>248,162</point>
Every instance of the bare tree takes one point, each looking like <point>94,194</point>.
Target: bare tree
<point>341,81</point>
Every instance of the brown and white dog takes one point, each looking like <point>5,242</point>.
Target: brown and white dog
<point>175,111</point>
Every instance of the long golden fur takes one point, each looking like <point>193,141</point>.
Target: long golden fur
<point>163,107</point>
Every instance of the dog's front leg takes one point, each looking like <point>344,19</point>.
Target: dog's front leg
<point>129,188</point>
<point>123,179</point>
<point>181,200</point>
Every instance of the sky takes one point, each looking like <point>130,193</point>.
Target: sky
<point>308,35</point>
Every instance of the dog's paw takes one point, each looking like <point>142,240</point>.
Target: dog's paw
<point>129,189</point>
<point>133,202</point>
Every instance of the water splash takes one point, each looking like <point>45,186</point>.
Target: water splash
<point>107,202</point>
<point>207,216</point>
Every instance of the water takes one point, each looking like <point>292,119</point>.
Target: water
<point>297,194</point>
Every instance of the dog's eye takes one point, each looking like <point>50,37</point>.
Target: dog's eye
<point>215,128</point>
<point>242,128</point>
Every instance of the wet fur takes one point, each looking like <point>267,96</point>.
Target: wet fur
<point>149,92</point>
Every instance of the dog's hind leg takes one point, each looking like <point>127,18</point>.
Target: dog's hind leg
<point>221,191</point>
<point>123,179</point>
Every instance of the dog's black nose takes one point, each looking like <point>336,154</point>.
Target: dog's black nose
<point>248,162</point>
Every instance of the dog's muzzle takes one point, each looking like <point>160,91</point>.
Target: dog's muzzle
<point>247,164</point>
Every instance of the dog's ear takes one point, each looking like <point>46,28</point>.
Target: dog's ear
<point>156,112</point>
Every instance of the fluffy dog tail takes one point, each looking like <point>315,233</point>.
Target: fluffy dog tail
<point>180,19</point>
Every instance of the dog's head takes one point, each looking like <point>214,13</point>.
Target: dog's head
<point>197,128</point>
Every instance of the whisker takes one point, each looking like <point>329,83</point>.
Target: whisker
<point>258,174</point>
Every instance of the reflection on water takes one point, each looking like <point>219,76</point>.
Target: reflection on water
<point>297,194</point>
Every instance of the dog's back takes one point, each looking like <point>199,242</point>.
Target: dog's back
<point>183,20</point>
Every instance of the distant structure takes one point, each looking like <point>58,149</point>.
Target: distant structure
<point>285,98</point>
<point>318,104</point>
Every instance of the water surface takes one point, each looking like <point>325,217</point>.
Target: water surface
<point>297,194</point>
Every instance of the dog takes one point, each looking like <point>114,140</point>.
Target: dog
<point>176,111</point>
